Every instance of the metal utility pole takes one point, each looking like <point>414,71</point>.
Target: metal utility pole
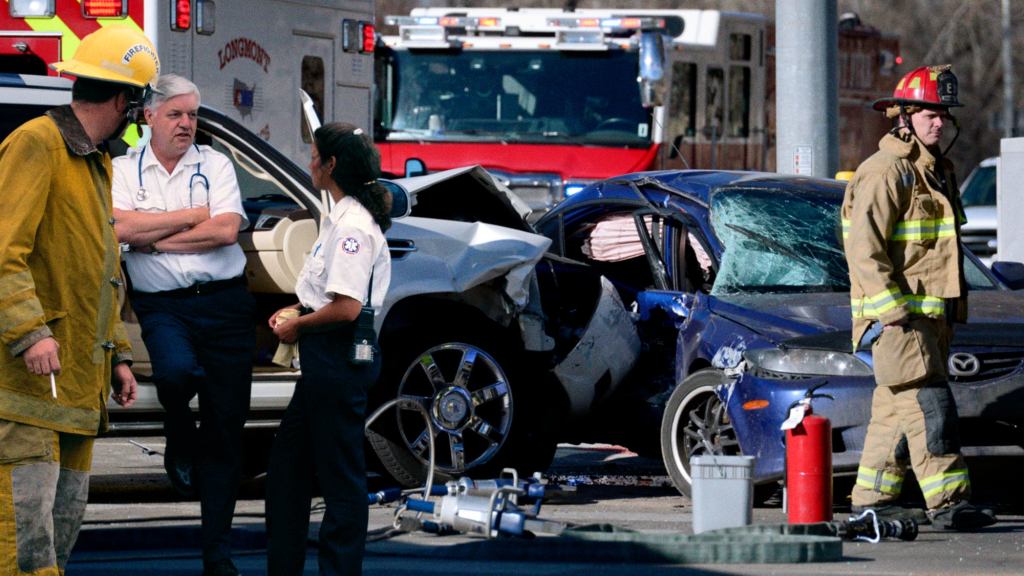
<point>806,95</point>
<point>1009,121</point>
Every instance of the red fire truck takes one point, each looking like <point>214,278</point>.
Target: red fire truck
<point>551,100</point>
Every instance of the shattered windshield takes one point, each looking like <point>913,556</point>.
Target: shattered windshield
<point>778,241</point>
<point>546,96</point>
<point>981,188</point>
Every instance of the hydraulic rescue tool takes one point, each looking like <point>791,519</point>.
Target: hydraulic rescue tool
<point>485,507</point>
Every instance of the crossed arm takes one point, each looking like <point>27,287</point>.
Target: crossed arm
<point>186,231</point>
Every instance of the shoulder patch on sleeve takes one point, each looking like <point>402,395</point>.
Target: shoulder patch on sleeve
<point>350,245</point>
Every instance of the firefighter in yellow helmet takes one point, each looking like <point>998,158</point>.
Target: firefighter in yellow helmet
<point>901,219</point>
<point>65,346</point>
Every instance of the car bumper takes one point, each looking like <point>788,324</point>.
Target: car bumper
<point>991,415</point>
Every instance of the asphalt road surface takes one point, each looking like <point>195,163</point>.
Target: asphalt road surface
<point>136,525</point>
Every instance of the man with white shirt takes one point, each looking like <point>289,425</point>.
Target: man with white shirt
<point>178,206</point>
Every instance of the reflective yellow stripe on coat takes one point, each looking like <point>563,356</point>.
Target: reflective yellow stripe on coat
<point>908,230</point>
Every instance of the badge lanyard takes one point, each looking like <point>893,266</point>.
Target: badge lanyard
<point>141,194</point>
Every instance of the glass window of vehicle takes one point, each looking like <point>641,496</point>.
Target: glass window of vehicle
<point>312,84</point>
<point>682,119</point>
<point>789,241</point>
<point>609,242</point>
<point>778,240</point>
<point>740,47</point>
<point>714,103</point>
<point>739,101</point>
<point>976,278</point>
<point>980,189</point>
<point>264,198</point>
<point>507,95</point>
<point>253,180</point>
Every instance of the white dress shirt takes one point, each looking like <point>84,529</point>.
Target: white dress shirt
<point>142,184</point>
<point>349,244</point>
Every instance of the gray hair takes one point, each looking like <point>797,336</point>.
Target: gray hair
<point>169,86</point>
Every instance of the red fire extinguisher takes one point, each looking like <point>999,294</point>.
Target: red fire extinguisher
<point>808,462</point>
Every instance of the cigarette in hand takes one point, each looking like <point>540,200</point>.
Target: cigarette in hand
<point>53,385</point>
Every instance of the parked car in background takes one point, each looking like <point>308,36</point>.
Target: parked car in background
<point>741,291</point>
<point>463,331</point>
<point>978,193</point>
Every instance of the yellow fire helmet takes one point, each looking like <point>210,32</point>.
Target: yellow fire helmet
<point>114,54</point>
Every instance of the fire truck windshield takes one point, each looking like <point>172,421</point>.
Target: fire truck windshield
<point>545,96</point>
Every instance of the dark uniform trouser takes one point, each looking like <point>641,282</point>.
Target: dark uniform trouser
<point>321,440</point>
<point>203,344</point>
<point>44,485</point>
<point>924,413</point>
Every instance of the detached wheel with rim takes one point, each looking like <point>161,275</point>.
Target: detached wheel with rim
<point>480,404</point>
<point>695,423</point>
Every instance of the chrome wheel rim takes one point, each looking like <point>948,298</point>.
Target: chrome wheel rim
<point>467,395</point>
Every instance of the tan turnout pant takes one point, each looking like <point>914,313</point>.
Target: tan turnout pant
<point>912,399</point>
<point>44,485</point>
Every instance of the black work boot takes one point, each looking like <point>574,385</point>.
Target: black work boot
<point>962,517</point>
<point>894,512</point>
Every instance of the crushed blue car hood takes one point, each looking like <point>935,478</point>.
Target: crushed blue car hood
<point>783,316</point>
<point>780,317</point>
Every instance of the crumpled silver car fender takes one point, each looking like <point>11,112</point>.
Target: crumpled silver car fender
<point>609,345</point>
<point>450,257</point>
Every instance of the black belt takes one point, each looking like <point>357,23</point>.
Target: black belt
<point>201,288</point>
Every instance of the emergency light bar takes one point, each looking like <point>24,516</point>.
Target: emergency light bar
<point>580,39</point>
<point>357,36</point>
<point>104,8</point>
<point>469,23</point>
<point>181,14</point>
<point>612,25</point>
<point>31,8</point>
<point>570,32</point>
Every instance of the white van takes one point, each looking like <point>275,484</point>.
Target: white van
<point>978,193</point>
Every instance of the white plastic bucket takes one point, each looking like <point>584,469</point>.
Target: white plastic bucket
<point>722,491</point>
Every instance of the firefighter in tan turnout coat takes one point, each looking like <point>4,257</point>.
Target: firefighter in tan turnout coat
<point>59,273</point>
<point>901,217</point>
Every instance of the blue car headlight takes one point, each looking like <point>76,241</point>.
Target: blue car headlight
<point>806,362</point>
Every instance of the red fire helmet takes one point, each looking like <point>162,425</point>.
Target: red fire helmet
<point>927,87</point>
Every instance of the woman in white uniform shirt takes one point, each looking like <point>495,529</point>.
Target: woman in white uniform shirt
<point>321,434</point>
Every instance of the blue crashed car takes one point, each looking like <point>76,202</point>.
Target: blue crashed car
<point>740,293</point>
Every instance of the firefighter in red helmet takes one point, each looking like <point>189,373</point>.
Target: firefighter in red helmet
<point>901,219</point>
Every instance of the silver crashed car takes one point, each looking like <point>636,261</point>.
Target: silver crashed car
<point>468,334</point>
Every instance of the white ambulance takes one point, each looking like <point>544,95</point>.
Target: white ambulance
<point>249,58</point>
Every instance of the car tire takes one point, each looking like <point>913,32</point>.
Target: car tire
<point>695,423</point>
<point>486,417</point>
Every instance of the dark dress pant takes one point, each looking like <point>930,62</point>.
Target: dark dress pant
<point>320,444</point>
<point>204,344</point>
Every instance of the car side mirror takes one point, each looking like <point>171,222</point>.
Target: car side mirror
<point>1009,273</point>
<point>400,205</point>
<point>667,306</point>
<point>652,69</point>
<point>415,167</point>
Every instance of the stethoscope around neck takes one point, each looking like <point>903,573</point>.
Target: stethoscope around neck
<point>141,194</point>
